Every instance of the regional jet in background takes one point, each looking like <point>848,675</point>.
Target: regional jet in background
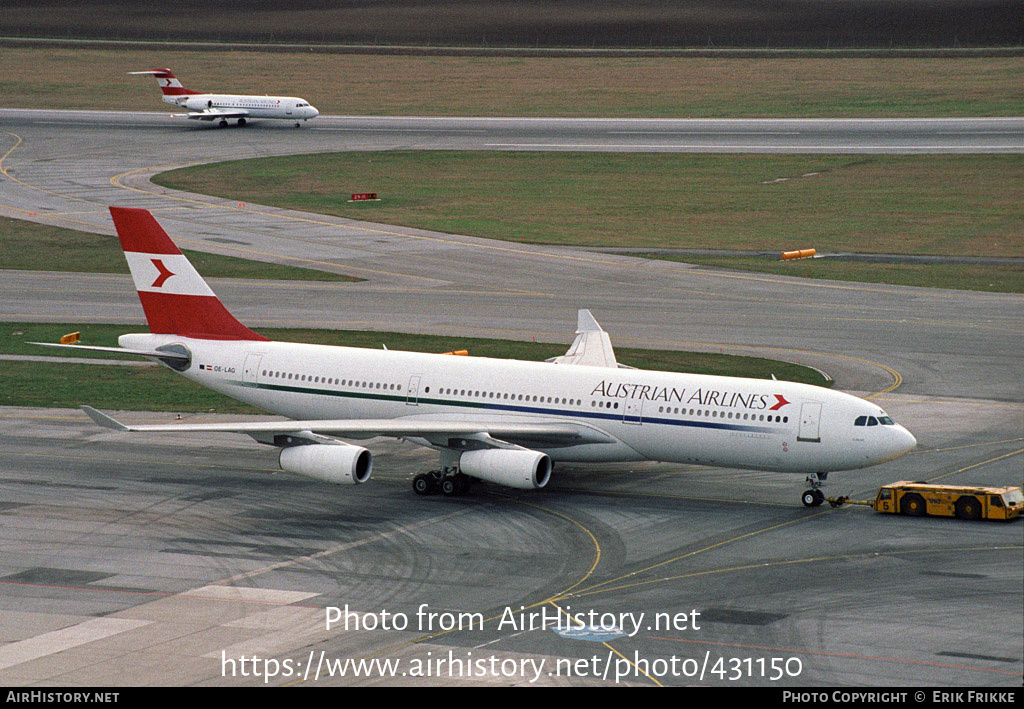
<point>221,107</point>
<point>502,421</point>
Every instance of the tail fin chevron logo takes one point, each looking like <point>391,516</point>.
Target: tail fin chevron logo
<point>780,402</point>
<point>164,273</point>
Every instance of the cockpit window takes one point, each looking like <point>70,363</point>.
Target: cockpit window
<point>873,421</point>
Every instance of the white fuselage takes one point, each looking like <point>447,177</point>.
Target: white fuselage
<point>684,418</point>
<point>286,107</point>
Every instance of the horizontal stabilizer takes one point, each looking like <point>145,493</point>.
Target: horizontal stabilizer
<point>155,354</point>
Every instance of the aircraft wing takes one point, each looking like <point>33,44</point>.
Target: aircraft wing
<point>216,114</point>
<point>443,433</point>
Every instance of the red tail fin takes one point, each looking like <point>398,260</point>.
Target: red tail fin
<point>168,82</point>
<point>175,297</point>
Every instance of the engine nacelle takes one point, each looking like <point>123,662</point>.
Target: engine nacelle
<point>342,465</point>
<point>197,104</point>
<point>522,469</point>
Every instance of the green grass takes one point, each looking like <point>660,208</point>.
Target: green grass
<point>30,383</point>
<point>29,246</point>
<point>887,204</point>
<point>992,278</point>
<point>934,204</point>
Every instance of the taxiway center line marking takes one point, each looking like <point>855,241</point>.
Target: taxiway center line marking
<point>977,465</point>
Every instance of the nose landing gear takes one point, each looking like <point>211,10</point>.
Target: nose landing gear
<point>814,496</point>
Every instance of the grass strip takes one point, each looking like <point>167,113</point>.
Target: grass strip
<point>892,204</point>
<point>651,87</point>
<point>29,246</point>
<point>993,278</point>
<point>921,204</point>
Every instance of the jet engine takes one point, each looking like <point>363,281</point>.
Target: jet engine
<point>523,469</point>
<point>196,104</point>
<point>342,464</point>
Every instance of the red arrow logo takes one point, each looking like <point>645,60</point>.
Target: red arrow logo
<point>781,402</point>
<point>164,273</point>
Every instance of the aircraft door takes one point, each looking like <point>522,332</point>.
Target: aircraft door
<point>810,421</point>
<point>412,395</point>
<point>251,370</point>
<point>633,412</point>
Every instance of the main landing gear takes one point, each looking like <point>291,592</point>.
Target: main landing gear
<point>814,496</point>
<point>449,482</point>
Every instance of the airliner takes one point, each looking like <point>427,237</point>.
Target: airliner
<point>497,420</point>
<point>221,107</point>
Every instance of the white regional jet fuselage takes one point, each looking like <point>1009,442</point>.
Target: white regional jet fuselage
<point>222,107</point>
<point>230,105</point>
<point>499,420</point>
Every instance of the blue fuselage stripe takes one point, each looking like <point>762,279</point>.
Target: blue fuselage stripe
<point>486,406</point>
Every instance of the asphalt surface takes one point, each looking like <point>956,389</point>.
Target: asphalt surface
<point>132,562</point>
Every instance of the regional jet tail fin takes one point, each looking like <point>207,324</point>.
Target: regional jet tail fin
<point>174,296</point>
<point>592,346</point>
<point>168,82</point>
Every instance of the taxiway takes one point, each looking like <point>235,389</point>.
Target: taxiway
<point>153,561</point>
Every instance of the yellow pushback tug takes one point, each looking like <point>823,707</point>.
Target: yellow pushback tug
<point>964,501</point>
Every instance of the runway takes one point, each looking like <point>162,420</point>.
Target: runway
<point>163,555</point>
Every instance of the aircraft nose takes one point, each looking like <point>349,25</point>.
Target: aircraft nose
<point>313,113</point>
<point>905,441</point>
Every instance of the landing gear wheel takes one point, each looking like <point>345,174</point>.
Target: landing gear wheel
<point>423,484</point>
<point>454,485</point>
<point>813,498</point>
<point>241,122</point>
<point>223,123</point>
